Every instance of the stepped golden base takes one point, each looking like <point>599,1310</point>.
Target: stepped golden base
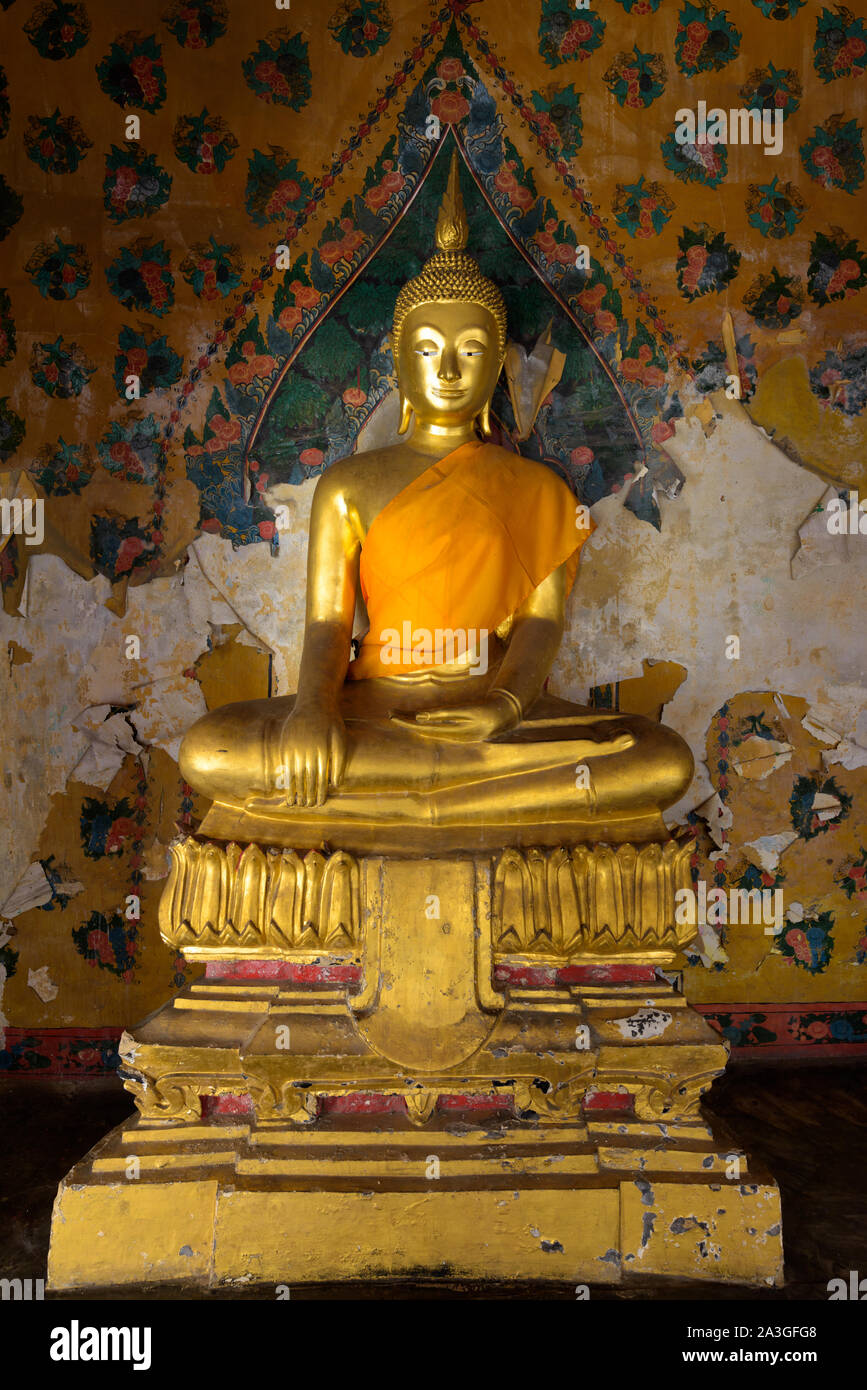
<point>217,1204</point>
<point>469,1066</point>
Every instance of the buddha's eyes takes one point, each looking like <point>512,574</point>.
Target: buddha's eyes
<point>468,350</point>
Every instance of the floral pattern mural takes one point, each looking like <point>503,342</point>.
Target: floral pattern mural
<point>642,209</point>
<point>204,143</point>
<point>60,270</point>
<point>134,451</point>
<point>136,185</point>
<point>141,278</point>
<point>148,358</point>
<point>56,143</point>
<point>58,30</point>
<point>212,269</point>
<point>60,369</point>
<point>361,27</point>
<point>707,262</point>
<point>132,72</point>
<point>636,79</point>
<point>559,118</point>
<point>775,208</point>
<point>775,300</point>
<point>63,468</point>
<point>705,40</point>
<point>197,23</point>
<point>278,71</point>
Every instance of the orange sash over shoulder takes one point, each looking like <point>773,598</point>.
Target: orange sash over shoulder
<point>463,547</point>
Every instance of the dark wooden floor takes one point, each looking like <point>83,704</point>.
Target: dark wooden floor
<point>807,1124</point>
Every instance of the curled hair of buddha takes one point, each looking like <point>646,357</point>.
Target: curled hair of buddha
<point>451,273</point>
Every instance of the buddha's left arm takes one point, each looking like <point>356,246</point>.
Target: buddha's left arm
<point>537,630</point>
<point>535,637</point>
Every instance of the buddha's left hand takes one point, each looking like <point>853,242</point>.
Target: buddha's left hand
<point>473,722</point>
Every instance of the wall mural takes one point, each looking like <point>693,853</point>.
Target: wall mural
<point>159,257</point>
<point>313,413</point>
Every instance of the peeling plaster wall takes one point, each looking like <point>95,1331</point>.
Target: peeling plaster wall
<point>85,717</point>
<point>720,566</point>
<point>730,561</point>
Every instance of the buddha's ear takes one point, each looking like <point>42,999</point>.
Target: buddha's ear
<point>405,415</point>
<point>389,338</point>
<point>483,420</point>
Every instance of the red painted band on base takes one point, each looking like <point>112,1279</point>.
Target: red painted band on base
<point>607,1100</point>
<point>313,973</point>
<point>548,976</point>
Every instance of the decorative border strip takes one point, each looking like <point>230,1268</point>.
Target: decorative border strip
<point>817,1031</point>
<point>60,1051</point>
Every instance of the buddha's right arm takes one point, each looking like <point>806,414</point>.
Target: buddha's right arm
<point>333,552</point>
<point>313,739</point>
<point>324,661</point>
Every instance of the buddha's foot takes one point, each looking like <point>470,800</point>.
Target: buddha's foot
<point>596,743</point>
<point>564,721</point>
<point>599,748</point>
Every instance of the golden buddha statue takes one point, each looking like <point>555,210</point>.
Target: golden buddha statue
<point>460,555</point>
<point>464,899</point>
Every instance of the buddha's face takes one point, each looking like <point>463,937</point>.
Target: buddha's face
<point>449,361</point>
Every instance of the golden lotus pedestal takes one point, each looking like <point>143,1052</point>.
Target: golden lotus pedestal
<point>466,1066</point>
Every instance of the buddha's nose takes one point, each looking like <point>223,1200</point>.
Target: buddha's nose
<point>449,366</point>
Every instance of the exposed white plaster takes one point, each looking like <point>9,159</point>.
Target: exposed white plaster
<point>65,618</point>
<point>156,861</point>
<point>644,1023</point>
<point>41,983</point>
<point>781,705</point>
<point>165,709</point>
<point>173,620</point>
<point>267,593</point>
<point>58,721</point>
<point>766,850</point>
<point>846,754</point>
<point>109,739</point>
<point>718,818</point>
<point>32,890</point>
<point>843,707</point>
<point>709,947</point>
<point>819,546</point>
<point>719,567</point>
<point>757,757</point>
<point>826,807</point>
<point>816,729</point>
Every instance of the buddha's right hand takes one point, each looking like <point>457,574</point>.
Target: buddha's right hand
<point>312,756</point>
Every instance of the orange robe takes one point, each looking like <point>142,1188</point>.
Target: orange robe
<point>463,547</point>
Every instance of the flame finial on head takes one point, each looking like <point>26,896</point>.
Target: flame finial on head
<point>452,231</point>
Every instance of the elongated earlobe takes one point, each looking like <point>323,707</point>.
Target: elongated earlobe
<point>483,420</point>
<point>405,415</point>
